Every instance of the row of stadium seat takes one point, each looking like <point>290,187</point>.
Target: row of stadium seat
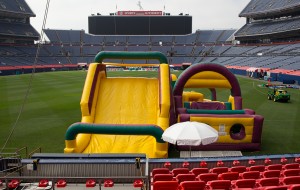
<point>282,169</point>
<point>266,7</point>
<point>228,56</point>
<point>18,30</point>
<point>267,27</point>
<point>183,50</point>
<point>261,184</point>
<point>79,36</point>
<point>62,183</point>
<point>292,182</point>
<point>283,162</point>
<point>183,176</point>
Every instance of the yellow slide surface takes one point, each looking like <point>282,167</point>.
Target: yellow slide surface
<point>126,102</point>
<point>121,101</point>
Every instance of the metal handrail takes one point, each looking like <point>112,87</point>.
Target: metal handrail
<point>39,149</point>
<point>21,149</point>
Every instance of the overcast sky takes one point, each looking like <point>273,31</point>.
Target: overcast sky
<point>73,14</point>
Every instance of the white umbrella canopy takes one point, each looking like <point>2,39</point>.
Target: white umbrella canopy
<point>190,133</point>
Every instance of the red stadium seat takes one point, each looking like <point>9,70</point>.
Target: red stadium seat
<point>192,185</point>
<point>270,173</point>
<point>160,171</point>
<point>239,169</point>
<point>268,161</point>
<point>163,177</point>
<point>250,175</point>
<point>228,176</point>
<point>108,183</point>
<point>219,170</point>
<point>291,180</point>
<point>274,167</point>
<point>281,187</point>
<point>165,185</point>
<point>167,164</point>
<point>291,166</point>
<point>259,168</point>
<point>243,183</point>
<point>43,183</point>
<point>283,160</point>
<point>198,171</point>
<point>251,162</point>
<point>220,163</point>
<point>203,164</point>
<point>177,171</point>
<point>138,183</point>
<point>294,187</point>
<point>264,182</point>
<point>297,160</point>
<point>90,183</point>
<point>185,177</point>
<point>61,183</point>
<point>13,184</point>
<point>207,177</point>
<point>218,184</point>
<point>185,164</point>
<point>236,163</point>
<point>291,172</point>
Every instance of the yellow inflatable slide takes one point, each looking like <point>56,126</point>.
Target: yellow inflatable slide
<point>123,115</point>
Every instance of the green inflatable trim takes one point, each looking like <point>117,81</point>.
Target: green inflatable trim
<point>187,105</point>
<point>130,55</point>
<point>228,105</point>
<point>195,111</point>
<point>89,128</point>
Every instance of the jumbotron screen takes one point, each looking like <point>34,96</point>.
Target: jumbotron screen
<point>135,23</point>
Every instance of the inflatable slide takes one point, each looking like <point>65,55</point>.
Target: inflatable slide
<point>123,114</point>
<point>238,128</point>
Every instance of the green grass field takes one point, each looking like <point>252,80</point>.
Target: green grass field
<point>53,105</point>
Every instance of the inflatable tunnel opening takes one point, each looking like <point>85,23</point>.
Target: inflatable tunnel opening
<point>237,131</point>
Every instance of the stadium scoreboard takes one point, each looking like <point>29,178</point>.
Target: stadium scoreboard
<point>140,23</point>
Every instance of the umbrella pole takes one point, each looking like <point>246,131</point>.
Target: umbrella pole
<point>190,151</point>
